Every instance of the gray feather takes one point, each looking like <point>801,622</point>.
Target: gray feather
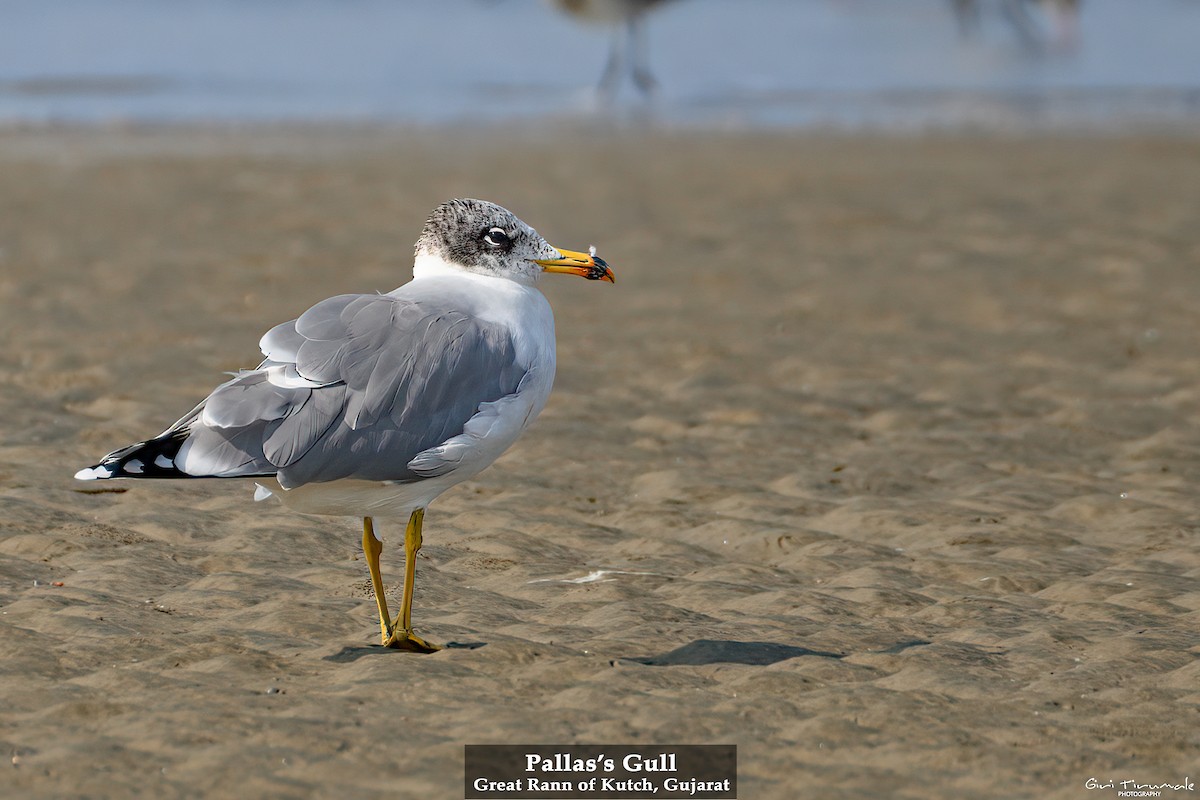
<point>250,398</point>
<point>380,378</point>
<point>286,442</point>
<point>281,342</point>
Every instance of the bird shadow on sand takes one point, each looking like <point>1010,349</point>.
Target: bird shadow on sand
<point>698,653</point>
<point>351,653</point>
<point>759,654</point>
<point>721,651</point>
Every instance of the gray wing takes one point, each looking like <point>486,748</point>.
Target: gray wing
<point>354,388</point>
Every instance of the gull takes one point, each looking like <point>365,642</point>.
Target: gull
<point>375,404</point>
<point>1063,15</point>
<point>628,37</point>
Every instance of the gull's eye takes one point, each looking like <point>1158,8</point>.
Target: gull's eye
<point>496,237</point>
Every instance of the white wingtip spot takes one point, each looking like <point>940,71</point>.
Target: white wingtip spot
<point>261,493</point>
<point>162,461</point>
<point>93,473</point>
<point>133,467</point>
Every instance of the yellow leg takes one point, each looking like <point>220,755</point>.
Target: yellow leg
<point>402,636</point>
<point>372,547</point>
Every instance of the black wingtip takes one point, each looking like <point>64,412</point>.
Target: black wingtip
<point>151,459</point>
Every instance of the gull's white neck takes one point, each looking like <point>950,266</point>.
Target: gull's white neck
<point>427,265</point>
<point>515,304</point>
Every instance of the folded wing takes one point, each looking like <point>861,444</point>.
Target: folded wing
<point>354,388</point>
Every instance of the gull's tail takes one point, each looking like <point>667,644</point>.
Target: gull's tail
<point>189,449</point>
<point>151,459</point>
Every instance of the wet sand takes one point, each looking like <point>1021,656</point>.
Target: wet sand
<point>927,408</point>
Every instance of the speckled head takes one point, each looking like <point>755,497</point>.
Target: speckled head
<point>482,237</point>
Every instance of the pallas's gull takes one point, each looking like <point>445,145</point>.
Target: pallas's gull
<point>375,404</point>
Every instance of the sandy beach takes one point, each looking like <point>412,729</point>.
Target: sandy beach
<point>927,409</point>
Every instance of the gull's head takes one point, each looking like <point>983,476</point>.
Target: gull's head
<point>481,237</point>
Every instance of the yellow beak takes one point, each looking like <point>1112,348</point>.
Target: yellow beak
<point>581,264</point>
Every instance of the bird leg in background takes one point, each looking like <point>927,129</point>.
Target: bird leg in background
<point>966,12</point>
<point>372,547</point>
<point>1025,26</point>
<point>642,78</point>
<point>402,636</point>
<point>610,79</point>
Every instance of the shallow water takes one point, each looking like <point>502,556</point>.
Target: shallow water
<point>859,64</point>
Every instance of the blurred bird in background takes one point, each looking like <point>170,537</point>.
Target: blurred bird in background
<point>627,48</point>
<point>1038,24</point>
